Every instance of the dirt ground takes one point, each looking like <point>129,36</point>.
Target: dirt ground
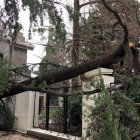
<point>15,136</point>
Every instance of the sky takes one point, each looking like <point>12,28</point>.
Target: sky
<point>39,50</point>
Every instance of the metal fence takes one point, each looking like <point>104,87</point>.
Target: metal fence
<point>58,113</point>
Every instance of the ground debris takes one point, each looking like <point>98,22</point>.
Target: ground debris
<point>15,136</point>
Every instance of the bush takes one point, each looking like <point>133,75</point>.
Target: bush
<point>75,110</point>
<point>7,119</point>
<point>57,116</point>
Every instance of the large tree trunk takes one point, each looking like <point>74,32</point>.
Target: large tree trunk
<point>75,47</point>
<point>68,73</point>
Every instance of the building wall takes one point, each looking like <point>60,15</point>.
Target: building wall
<point>5,48</point>
<point>26,112</point>
<point>19,56</point>
<point>59,99</point>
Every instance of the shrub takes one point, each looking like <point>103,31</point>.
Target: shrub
<point>7,119</point>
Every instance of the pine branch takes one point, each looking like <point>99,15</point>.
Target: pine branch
<point>60,94</point>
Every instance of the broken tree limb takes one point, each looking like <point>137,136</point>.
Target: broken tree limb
<point>97,1</point>
<point>68,73</point>
<point>62,94</point>
<point>72,72</point>
<point>128,52</point>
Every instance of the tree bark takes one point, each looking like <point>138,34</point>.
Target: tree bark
<point>75,47</point>
<point>97,1</point>
<point>68,73</point>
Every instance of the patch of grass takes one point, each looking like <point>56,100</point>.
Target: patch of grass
<point>51,112</point>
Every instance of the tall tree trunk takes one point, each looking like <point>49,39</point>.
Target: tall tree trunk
<point>75,48</point>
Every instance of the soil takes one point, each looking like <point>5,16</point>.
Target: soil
<point>15,136</point>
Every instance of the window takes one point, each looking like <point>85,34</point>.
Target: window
<point>1,56</point>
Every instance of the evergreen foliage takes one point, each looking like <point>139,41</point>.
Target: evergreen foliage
<point>7,119</point>
<point>38,10</point>
<point>114,116</point>
<point>75,111</point>
<point>101,31</point>
<point>5,75</point>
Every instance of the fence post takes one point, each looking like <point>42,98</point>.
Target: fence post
<point>47,110</point>
<point>65,111</point>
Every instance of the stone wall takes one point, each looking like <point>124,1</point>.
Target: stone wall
<point>26,112</point>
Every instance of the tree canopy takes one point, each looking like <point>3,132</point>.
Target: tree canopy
<point>106,35</point>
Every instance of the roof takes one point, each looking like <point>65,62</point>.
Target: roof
<point>95,72</point>
<point>24,45</point>
<point>20,43</point>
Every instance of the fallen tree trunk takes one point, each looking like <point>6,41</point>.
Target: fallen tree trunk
<point>68,73</point>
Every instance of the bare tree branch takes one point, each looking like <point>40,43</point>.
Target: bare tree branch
<point>137,8</point>
<point>97,1</point>
<point>128,52</point>
<point>118,18</point>
<point>61,94</point>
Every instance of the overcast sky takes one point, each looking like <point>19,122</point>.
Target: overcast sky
<point>38,49</point>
